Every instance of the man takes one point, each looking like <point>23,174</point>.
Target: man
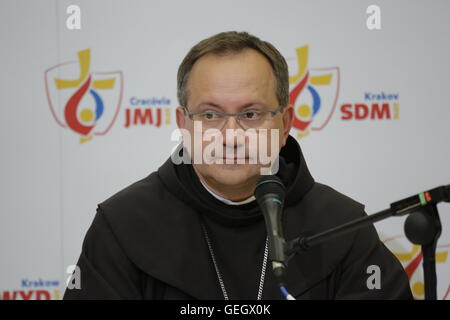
<point>193,230</point>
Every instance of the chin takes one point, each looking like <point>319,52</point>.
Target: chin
<point>233,174</point>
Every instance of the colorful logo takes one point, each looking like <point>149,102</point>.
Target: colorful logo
<point>412,260</point>
<point>34,290</point>
<point>86,102</point>
<point>313,94</point>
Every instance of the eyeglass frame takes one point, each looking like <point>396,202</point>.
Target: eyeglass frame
<point>228,115</point>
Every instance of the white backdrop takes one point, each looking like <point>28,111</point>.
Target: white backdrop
<point>51,181</point>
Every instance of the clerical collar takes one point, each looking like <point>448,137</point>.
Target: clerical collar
<point>224,200</point>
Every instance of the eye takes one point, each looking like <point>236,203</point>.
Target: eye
<point>210,115</point>
<point>251,115</point>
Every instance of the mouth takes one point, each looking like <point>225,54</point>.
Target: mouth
<point>233,160</point>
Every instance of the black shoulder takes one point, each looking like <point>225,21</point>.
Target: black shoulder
<point>330,197</point>
<point>138,194</point>
<point>324,207</point>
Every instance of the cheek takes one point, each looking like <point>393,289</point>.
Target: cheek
<point>282,136</point>
<point>273,140</point>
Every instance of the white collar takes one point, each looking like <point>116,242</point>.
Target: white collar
<point>226,201</point>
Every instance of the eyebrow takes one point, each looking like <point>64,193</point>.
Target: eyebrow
<point>212,104</point>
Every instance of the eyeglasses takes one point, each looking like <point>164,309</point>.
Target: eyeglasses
<point>249,119</point>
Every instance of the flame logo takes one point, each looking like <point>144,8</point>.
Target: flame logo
<point>76,115</point>
<point>314,103</point>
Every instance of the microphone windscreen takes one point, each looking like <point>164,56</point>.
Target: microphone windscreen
<point>447,193</point>
<point>269,184</point>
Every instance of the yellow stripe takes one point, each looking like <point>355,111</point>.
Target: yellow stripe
<point>104,84</point>
<point>84,59</point>
<point>302,60</point>
<point>321,80</point>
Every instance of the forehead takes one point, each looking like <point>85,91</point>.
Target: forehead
<point>232,79</point>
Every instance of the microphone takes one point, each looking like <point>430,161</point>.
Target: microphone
<point>433,196</point>
<point>270,193</point>
<point>402,207</point>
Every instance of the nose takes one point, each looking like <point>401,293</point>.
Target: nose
<point>231,123</point>
<point>236,134</point>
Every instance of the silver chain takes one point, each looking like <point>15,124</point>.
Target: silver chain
<point>219,276</point>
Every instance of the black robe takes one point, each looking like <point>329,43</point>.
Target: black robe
<point>146,242</point>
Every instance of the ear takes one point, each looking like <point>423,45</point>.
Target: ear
<point>180,117</point>
<point>288,119</point>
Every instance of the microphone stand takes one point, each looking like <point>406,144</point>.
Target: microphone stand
<point>422,227</point>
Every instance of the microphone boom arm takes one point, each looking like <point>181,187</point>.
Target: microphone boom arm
<point>422,227</point>
<point>304,243</point>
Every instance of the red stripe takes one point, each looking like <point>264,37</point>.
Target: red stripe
<point>297,123</point>
<point>70,111</point>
